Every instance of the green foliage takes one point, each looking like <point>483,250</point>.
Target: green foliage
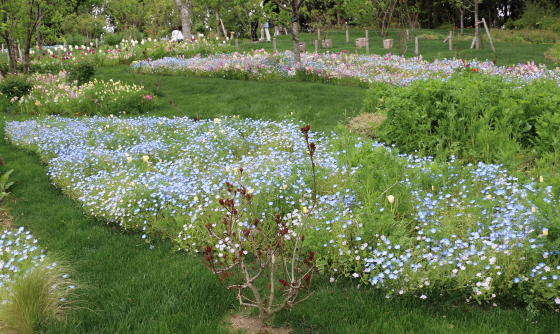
<point>4,184</point>
<point>15,85</point>
<point>474,117</point>
<point>82,25</point>
<point>82,71</point>
<point>112,39</point>
<point>74,39</point>
<point>539,14</point>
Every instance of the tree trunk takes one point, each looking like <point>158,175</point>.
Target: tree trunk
<point>12,51</point>
<point>295,38</point>
<point>184,8</point>
<point>476,26</point>
<point>218,23</point>
<point>462,11</point>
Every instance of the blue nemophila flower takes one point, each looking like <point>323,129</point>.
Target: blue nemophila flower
<point>452,229</point>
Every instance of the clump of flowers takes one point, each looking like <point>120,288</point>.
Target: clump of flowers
<point>53,94</point>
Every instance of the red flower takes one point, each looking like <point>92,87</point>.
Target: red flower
<point>284,283</point>
<point>474,70</point>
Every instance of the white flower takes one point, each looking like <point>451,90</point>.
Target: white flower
<point>423,297</point>
<point>331,280</point>
<point>557,300</point>
<point>391,199</point>
<point>145,158</point>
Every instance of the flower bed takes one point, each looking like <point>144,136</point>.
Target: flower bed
<point>333,67</point>
<point>58,58</point>
<point>53,94</point>
<point>404,224</point>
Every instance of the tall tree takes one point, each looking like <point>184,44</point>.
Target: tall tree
<point>378,12</point>
<point>184,7</point>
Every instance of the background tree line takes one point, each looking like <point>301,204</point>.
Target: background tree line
<point>45,22</point>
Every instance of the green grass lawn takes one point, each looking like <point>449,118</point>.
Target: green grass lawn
<point>131,288</point>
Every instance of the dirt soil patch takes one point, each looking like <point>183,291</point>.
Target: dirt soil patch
<point>255,326</point>
<point>365,124</point>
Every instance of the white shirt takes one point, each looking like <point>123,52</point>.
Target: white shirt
<point>177,35</point>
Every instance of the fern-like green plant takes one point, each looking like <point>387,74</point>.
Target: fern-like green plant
<point>4,184</point>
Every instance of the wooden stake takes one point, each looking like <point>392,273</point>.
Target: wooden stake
<point>347,36</point>
<point>488,34</point>
<point>316,46</point>
<point>367,43</point>
<point>223,28</point>
<point>450,39</point>
<point>274,45</point>
<point>318,33</point>
<point>236,44</point>
<point>416,46</point>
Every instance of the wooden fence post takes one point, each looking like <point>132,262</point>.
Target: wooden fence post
<point>367,43</point>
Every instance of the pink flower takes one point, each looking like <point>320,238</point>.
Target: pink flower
<point>148,97</point>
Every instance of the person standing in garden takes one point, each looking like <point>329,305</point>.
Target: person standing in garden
<point>176,35</point>
<point>264,30</point>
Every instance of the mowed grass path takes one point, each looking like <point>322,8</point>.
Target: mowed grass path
<point>131,288</point>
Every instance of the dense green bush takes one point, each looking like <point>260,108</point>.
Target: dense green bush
<point>474,117</point>
<point>82,71</point>
<point>539,14</point>
<point>15,85</point>
<point>112,39</point>
<point>74,39</point>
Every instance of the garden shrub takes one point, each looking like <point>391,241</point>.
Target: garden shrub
<point>74,39</point>
<point>541,15</point>
<point>15,85</point>
<point>553,54</point>
<point>83,71</point>
<point>112,39</point>
<point>472,116</point>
